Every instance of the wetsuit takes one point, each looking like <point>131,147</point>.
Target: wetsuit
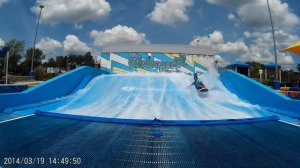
<point>198,84</point>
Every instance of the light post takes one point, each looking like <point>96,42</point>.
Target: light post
<point>36,30</point>
<point>275,49</point>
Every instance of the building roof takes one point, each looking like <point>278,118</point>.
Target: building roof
<point>160,48</point>
<point>271,65</point>
<point>240,64</point>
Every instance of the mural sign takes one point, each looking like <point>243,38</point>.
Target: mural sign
<point>139,62</point>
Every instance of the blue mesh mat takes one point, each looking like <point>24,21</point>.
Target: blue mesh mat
<point>263,144</point>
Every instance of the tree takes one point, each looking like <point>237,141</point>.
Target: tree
<point>61,61</point>
<point>298,67</point>
<point>88,59</point>
<point>255,66</point>
<point>37,61</point>
<point>80,60</point>
<point>51,63</point>
<point>16,52</point>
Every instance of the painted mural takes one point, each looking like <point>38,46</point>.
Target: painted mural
<point>122,62</point>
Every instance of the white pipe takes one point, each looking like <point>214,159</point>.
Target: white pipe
<point>7,57</point>
<point>4,65</point>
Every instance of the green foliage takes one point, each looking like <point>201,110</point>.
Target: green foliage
<point>266,82</point>
<point>15,55</point>
<point>289,78</point>
<point>38,57</point>
<point>80,60</point>
<point>51,63</point>
<point>40,73</point>
<point>255,66</point>
<point>61,61</point>
<point>71,60</point>
<point>25,66</point>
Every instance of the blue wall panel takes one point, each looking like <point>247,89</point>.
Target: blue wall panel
<point>121,66</point>
<point>257,93</point>
<point>12,88</point>
<point>56,87</point>
<point>124,55</point>
<point>106,56</point>
<point>200,66</point>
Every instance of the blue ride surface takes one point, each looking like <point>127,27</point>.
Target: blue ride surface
<point>90,94</point>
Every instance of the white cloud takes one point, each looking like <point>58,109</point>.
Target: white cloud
<point>261,49</point>
<point>215,38</point>
<point>168,12</point>
<point>74,11</point>
<point>1,42</point>
<point>231,17</point>
<point>286,60</point>
<point>234,19</point>
<point>247,34</point>
<point>265,39</point>
<point>216,42</point>
<point>255,13</point>
<point>117,35</point>
<point>234,47</point>
<point>72,44</point>
<point>48,45</point>
<point>3,2</point>
<point>78,26</point>
<point>221,61</point>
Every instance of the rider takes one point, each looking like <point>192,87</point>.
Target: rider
<point>198,83</point>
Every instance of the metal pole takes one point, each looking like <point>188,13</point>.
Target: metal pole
<point>275,49</point>
<point>7,57</point>
<point>36,30</point>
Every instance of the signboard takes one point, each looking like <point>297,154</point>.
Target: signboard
<point>139,62</point>
<point>52,70</point>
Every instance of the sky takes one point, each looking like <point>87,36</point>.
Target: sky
<point>236,30</point>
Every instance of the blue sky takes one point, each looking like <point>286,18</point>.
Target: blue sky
<point>236,30</point>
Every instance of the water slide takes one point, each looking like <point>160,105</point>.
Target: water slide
<point>160,98</point>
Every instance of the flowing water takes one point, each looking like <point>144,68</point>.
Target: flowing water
<point>166,96</point>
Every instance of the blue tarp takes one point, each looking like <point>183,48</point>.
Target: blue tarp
<point>3,52</point>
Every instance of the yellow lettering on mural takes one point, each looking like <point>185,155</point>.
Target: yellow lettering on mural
<point>142,70</point>
<point>119,69</point>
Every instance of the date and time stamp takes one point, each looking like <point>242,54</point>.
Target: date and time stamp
<point>41,160</point>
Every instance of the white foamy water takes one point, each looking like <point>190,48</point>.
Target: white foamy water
<point>160,95</point>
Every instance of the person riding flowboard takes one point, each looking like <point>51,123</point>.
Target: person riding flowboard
<point>199,85</point>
